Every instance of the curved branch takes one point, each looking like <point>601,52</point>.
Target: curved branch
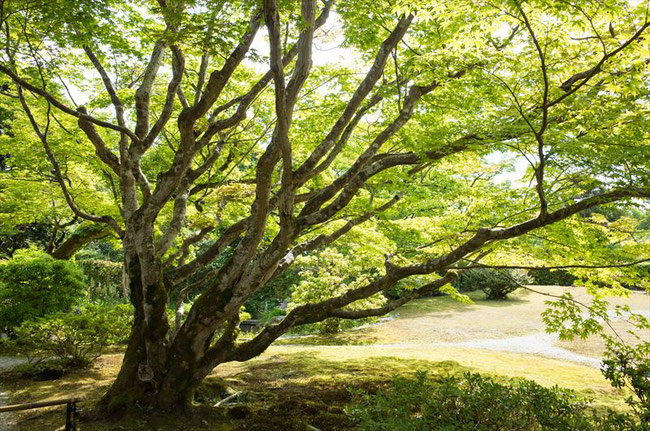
<point>61,106</point>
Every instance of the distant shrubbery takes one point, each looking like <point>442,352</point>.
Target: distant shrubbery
<point>33,284</point>
<point>478,403</point>
<point>546,277</point>
<point>496,283</point>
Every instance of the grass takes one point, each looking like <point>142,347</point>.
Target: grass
<point>305,381</point>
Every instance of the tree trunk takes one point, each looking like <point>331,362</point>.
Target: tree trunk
<point>144,371</point>
<point>168,389</point>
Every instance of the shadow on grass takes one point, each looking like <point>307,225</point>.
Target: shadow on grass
<point>289,392</point>
<point>284,392</point>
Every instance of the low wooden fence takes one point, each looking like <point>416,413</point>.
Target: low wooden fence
<point>70,411</point>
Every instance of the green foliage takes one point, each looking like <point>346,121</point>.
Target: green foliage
<point>628,366</point>
<point>496,283</point>
<point>270,315</point>
<point>271,296</point>
<point>49,369</point>
<point>121,316</point>
<point>104,279</point>
<point>545,277</point>
<point>493,94</point>
<point>474,402</point>
<point>625,364</point>
<point>13,238</point>
<point>332,272</point>
<point>33,285</point>
<point>76,339</point>
<point>403,287</point>
<point>566,318</point>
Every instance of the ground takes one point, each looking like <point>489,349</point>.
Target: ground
<point>305,381</point>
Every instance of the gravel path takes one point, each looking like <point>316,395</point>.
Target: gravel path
<point>7,363</point>
<point>541,344</point>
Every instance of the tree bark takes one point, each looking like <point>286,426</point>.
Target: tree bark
<point>144,365</point>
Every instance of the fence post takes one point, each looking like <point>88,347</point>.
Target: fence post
<point>71,416</point>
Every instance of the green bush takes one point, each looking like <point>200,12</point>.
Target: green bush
<point>330,273</point>
<point>629,366</point>
<point>76,339</point>
<point>477,403</point>
<point>495,283</point>
<point>34,284</point>
<point>271,315</point>
<point>546,277</point>
<point>43,370</point>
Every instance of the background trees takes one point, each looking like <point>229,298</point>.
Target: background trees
<point>206,137</point>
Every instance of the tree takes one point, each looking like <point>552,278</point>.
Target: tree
<point>206,160</point>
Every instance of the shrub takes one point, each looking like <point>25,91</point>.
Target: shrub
<point>43,370</point>
<point>271,316</point>
<point>476,403</point>
<point>34,284</point>
<point>629,366</point>
<point>121,318</point>
<point>326,274</point>
<point>546,277</point>
<point>76,339</point>
<point>495,283</point>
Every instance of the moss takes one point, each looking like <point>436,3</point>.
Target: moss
<point>212,390</point>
